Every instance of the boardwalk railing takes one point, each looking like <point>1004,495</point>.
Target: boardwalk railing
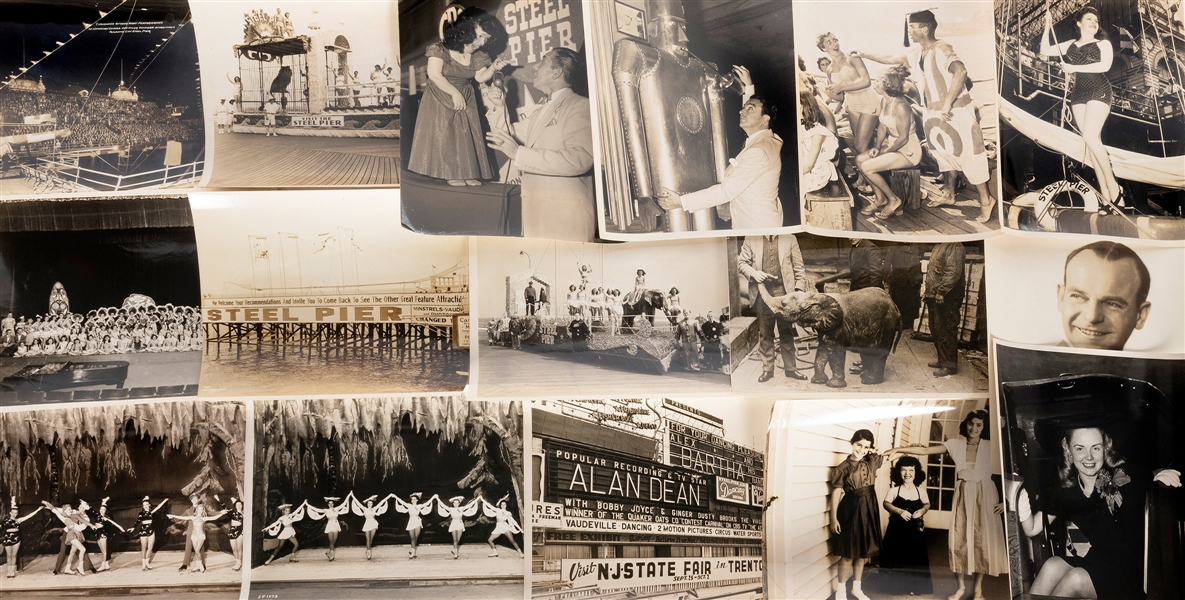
<point>112,182</point>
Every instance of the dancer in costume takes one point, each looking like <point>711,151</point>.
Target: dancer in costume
<point>10,535</point>
<point>505,524</point>
<point>367,508</point>
<point>283,531</point>
<point>199,518</point>
<point>106,528</point>
<point>75,523</point>
<point>414,510</point>
<point>236,529</point>
<point>146,531</point>
<point>457,513</point>
<point>330,513</point>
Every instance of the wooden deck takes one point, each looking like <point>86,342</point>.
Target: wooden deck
<point>958,219</point>
<point>252,160</point>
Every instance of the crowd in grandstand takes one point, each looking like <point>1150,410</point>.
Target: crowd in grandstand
<point>95,120</point>
<point>112,330</point>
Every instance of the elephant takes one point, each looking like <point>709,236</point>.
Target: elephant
<point>649,302</point>
<point>865,320</point>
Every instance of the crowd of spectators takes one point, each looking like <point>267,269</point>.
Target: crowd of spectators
<point>95,120</point>
<point>165,328</point>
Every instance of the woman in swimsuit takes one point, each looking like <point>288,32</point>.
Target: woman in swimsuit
<point>236,529</point>
<point>897,145</point>
<point>414,511</point>
<point>146,532</point>
<point>457,514</point>
<point>198,535</point>
<point>506,525</point>
<point>850,77</point>
<point>1088,58</point>
<point>331,513</point>
<point>10,535</point>
<point>283,531</point>
<point>367,508</point>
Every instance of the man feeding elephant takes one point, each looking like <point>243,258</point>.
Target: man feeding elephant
<point>773,266</point>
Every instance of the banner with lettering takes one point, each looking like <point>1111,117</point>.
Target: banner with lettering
<point>627,573</point>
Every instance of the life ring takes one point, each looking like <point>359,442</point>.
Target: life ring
<point>1042,204</point>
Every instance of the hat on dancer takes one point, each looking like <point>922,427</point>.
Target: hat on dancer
<point>82,505</point>
<point>14,506</point>
<point>145,499</point>
<point>104,502</point>
<point>372,498</point>
<point>922,16</point>
<point>456,499</point>
<point>415,495</point>
<point>283,506</point>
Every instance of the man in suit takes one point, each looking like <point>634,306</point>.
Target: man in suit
<point>945,287</point>
<point>1103,296</point>
<point>750,185</point>
<point>529,296</point>
<point>687,336</point>
<point>711,330</point>
<point>553,151</point>
<point>776,262</point>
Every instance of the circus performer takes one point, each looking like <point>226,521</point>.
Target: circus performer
<point>75,524</point>
<point>855,517</point>
<point>283,531</point>
<point>457,514</point>
<point>197,535</point>
<point>10,535</point>
<point>235,512</point>
<point>106,528</point>
<point>59,302</point>
<point>449,142</point>
<point>674,306</point>
<point>573,306</point>
<point>145,530</point>
<point>505,524</point>
<point>615,309</point>
<point>414,510</point>
<point>976,543</point>
<point>635,296</point>
<point>368,509</point>
<point>331,513</point>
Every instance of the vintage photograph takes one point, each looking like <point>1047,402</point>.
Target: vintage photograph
<point>317,293</point>
<point>564,318</point>
<point>897,118</point>
<point>497,138</point>
<point>912,316</point>
<point>320,78</point>
<point>1092,465</point>
<point>98,300</point>
<point>694,107</point>
<point>117,500</point>
<point>388,497</point>
<point>648,497</point>
<point>1102,295</point>
<point>1091,112</point>
<point>885,499</point>
<point>99,96</point>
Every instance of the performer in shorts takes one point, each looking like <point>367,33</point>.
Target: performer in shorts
<point>283,531</point>
<point>236,529</point>
<point>331,513</point>
<point>145,530</point>
<point>506,525</point>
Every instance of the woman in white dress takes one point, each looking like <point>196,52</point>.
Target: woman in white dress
<point>331,513</point>
<point>284,532</point>
<point>414,510</point>
<point>198,535</point>
<point>368,509</point>
<point>505,524</point>
<point>457,513</point>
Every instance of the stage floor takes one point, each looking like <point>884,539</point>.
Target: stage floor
<point>251,160</point>
<point>435,565</point>
<point>36,576</point>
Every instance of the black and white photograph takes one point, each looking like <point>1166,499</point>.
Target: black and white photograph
<point>888,499</point>
<point>99,96</point>
<point>911,317</point>
<point>300,94</point>
<point>99,300</point>
<point>592,319</point>
<point>648,497</point>
<point>1100,295</point>
<point>695,103</point>
<point>316,293</point>
<point>1092,465</point>
<point>897,119</point>
<point>116,500</point>
<point>1091,103</point>
<point>388,497</point>
<point>497,138</point>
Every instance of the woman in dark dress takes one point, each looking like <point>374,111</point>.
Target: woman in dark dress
<point>905,561</point>
<point>855,516</point>
<point>449,142</point>
<point>1105,498</point>
<point>1088,59</point>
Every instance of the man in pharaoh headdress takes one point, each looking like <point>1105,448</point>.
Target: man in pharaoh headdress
<point>59,303</point>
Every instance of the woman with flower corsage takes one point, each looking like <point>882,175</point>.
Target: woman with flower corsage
<point>1096,490</point>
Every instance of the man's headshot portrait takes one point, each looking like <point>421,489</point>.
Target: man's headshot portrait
<point>1103,296</point>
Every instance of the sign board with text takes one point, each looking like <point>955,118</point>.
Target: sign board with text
<point>627,573</point>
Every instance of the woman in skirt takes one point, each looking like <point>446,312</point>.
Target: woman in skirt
<point>855,516</point>
<point>146,531</point>
<point>457,514</point>
<point>330,513</point>
<point>10,535</point>
<point>284,532</point>
<point>235,512</point>
<point>75,524</point>
<point>505,524</point>
<point>414,511</point>
<point>371,511</point>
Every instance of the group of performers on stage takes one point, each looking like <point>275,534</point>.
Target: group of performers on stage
<point>94,525</point>
<point>111,330</point>
<point>371,508</point>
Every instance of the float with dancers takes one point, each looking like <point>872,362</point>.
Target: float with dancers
<point>644,329</point>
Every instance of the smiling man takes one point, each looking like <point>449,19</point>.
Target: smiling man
<point>1103,297</point>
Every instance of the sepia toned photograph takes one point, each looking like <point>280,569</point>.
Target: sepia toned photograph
<point>694,107</point>
<point>99,97</point>
<point>648,497</point>
<point>567,318</point>
<point>300,94</point>
<point>897,119</point>
<point>1092,467</point>
<point>885,499</point>
<point>388,497</point>
<point>1091,103</point>
<point>99,300</point>
<point>497,135</point>
<point>911,317</point>
<point>1071,292</point>
<point>119,499</point>
<point>309,293</point>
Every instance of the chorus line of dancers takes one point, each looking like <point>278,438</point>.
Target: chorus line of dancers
<point>95,524</point>
<point>371,508</point>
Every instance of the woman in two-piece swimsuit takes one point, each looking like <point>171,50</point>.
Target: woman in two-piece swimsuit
<point>850,77</point>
